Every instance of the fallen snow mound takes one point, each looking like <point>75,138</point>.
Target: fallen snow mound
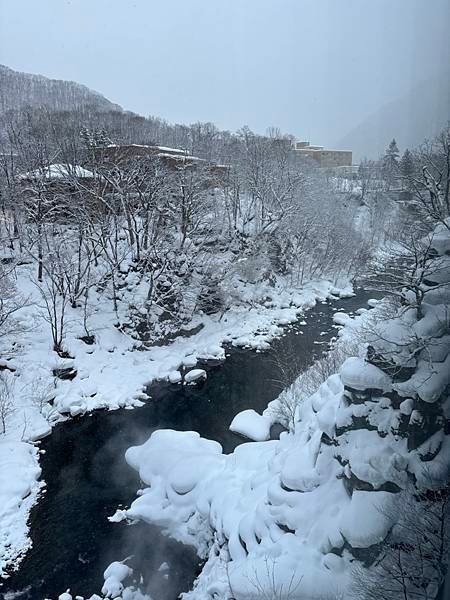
<point>252,425</point>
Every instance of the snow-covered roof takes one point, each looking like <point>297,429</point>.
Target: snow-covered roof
<point>167,149</point>
<point>151,147</point>
<point>181,156</point>
<point>58,171</point>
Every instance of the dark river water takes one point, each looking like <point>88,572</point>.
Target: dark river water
<point>87,477</point>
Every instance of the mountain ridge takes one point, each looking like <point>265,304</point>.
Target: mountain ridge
<point>19,89</point>
<point>411,118</point>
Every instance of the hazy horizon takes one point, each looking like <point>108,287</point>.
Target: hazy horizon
<point>314,69</point>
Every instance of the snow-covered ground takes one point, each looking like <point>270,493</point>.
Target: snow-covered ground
<point>110,374</point>
<point>19,472</point>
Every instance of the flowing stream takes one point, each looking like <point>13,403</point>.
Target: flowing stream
<point>87,478</point>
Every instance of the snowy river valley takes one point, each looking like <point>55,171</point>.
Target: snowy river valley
<point>87,478</point>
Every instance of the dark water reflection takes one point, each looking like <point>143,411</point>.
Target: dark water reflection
<point>87,477</point>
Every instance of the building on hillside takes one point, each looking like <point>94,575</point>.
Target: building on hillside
<point>56,179</point>
<point>56,173</point>
<point>60,187</point>
<point>322,156</point>
<point>121,153</point>
<point>174,158</point>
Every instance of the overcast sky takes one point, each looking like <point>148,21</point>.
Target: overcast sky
<point>314,68</point>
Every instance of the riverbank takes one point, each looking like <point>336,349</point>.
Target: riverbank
<point>355,491</point>
<point>87,477</point>
<point>111,373</point>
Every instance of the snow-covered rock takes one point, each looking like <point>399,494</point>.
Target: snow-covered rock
<point>189,361</point>
<point>341,318</point>
<point>252,425</point>
<point>114,576</point>
<point>194,375</point>
<point>358,374</point>
<point>175,377</point>
<point>367,518</point>
<point>440,238</point>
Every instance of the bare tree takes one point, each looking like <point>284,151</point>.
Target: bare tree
<point>413,560</point>
<point>40,392</point>
<point>429,181</point>
<point>192,194</point>
<point>410,271</point>
<point>7,407</point>
<point>11,302</point>
<point>368,177</point>
<point>271,178</point>
<point>267,585</point>
<point>54,292</point>
<point>298,385</point>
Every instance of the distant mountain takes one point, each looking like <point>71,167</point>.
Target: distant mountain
<point>417,115</point>
<point>19,89</point>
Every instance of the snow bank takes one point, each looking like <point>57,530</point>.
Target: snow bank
<point>252,425</point>
<point>19,472</point>
<point>280,499</point>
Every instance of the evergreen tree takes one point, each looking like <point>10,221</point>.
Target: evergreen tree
<point>101,138</point>
<point>407,165</point>
<point>407,170</point>
<point>86,137</point>
<point>390,163</point>
<point>97,138</point>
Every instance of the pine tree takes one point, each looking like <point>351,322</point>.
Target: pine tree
<point>97,138</point>
<point>392,151</point>
<point>407,165</point>
<point>407,169</point>
<point>101,138</point>
<point>86,137</point>
<point>390,163</point>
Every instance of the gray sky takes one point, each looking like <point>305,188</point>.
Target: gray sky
<point>314,68</point>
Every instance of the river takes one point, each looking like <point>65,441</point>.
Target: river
<point>87,478</point>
